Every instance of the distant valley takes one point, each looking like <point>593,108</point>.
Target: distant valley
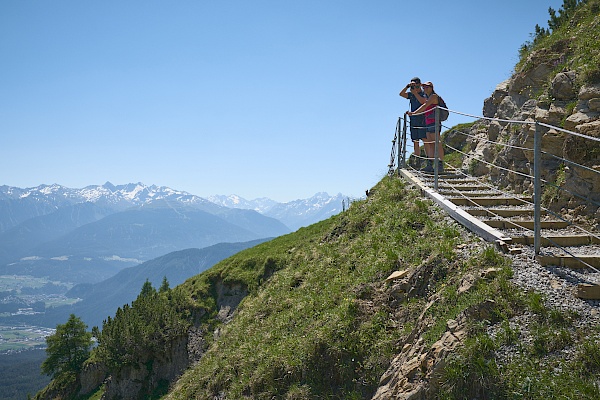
<point>88,251</point>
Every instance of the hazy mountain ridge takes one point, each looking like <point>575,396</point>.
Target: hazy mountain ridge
<point>102,299</point>
<point>261,204</point>
<point>20,204</point>
<point>294,214</point>
<point>18,241</point>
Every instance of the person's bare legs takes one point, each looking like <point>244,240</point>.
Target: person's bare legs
<point>430,146</point>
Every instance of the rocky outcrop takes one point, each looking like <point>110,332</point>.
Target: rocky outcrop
<point>415,372</point>
<point>91,377</point>
<point>139,381</point>
<point>539,94</point>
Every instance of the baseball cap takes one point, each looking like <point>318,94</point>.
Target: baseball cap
<point>416,79</point>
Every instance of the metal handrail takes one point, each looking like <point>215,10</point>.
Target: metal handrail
<point>537,168</point>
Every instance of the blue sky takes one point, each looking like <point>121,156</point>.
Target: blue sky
<point>278,99</point>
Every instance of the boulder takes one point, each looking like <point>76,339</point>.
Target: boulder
<point>489,108</point>
<point>563,86</point>
<point>507,108</point>
<point>552,141</point>
<point>576,119</point>
<point>490,105</point>
<point>588,92</point>
<point>590,129</point>
<point>494,131</point>
<point>594,104</point>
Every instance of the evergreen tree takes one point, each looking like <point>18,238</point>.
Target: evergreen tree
<point>68,348</point>
<point>143,330</point>
<point>164,287</point>
<point>147,289</point>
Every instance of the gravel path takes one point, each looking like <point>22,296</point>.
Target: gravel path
<point>558,284</point>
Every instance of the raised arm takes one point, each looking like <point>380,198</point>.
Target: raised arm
<point>403,92</point>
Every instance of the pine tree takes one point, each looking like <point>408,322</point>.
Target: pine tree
<point>68,348</point>
<point>147,289</point>
<point>164,287</point>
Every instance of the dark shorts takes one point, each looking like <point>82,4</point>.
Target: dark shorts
<point>417,128</point>
<point>431,128</point>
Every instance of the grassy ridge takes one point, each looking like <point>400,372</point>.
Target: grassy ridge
<point>321,322</point>
<point>323,325</point>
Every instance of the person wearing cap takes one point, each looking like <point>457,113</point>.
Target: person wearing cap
<point>429,108</point>
<point>416,96</point>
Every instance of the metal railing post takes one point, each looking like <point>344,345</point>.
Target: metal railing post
<point>395,146</point>
<point>537,187</point>
<point>435,150</point>
<point>403,145</point>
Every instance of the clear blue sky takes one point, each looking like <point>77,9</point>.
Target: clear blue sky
<point>278,99</point>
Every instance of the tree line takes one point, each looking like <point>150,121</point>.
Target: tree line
<point>138,333</point>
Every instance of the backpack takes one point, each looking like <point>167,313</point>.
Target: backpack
<point>443,113</point>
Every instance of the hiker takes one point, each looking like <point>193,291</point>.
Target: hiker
<point>429,108</point>
<point>416,96</point>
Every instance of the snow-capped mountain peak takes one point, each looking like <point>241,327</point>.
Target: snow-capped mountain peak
<point>294,214</point>
<point>132,194</point>
<point>47,198</point>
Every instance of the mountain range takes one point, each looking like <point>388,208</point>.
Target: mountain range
<point>294,214</point>
<point>100,243</point>
<point>90,234</point>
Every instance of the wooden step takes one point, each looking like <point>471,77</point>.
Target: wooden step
<point>455,193</point>
<point>569,262</point>
<point>564,241</point>
<point>528,224</point>
<point>490,201</point>
<point>588,291</point>
<point>461,187</point>
<point>449,177</point>
<point>502,212</point>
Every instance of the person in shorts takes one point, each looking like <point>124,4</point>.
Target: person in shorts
<point>429,108</point>
<point>415,94</point>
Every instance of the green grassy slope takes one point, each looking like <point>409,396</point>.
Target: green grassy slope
<point>323,323</point>
<point>320,320</point>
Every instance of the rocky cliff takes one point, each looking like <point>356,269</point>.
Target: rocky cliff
<point>548,88</point>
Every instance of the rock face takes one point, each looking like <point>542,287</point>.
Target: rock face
<point>415,372</point>
<point>137,382</point>
<point>563,103</point>
<point>91,377</point>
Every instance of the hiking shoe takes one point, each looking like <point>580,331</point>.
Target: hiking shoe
<point>428,168</point>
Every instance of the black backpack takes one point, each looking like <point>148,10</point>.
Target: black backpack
<point>443,113</point>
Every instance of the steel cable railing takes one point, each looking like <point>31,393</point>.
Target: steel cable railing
<point>527,175</point>
<point>537,179</point>
<point>517,224</point>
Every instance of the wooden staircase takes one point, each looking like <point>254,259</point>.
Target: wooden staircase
<point>508,220</point>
